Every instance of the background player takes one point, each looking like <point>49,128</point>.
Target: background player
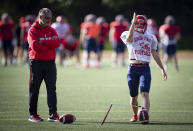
<point>63,29</point>
<point>89,36</point>
<point>116,28</point>
<point>153,29</point>
<point>103,32</point>
<point>70,47</point>
<point>170,34</point>
<point>7,35</point>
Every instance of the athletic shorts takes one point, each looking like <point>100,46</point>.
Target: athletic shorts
<point>170,49</point>
<point>119,47</point>
<point>100,47</point>
<point>7,45</point>
<point>90,45</point>
<point>138,76</point>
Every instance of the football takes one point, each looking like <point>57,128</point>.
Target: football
<point>143,116</point>
<point>67,118</point>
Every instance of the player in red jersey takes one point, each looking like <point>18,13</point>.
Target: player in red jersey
<point>18,51</point>
<point>7,35</point>
<point>103,32</point>
<point>70,47</point>
<point>29,19</point>
<point>116,28</point>
<point>169,35</point>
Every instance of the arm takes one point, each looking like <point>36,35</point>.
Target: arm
<point>53,43</point>
<point>111,33</point>
<point>33,41</point>
<point>159,63</point>
<point>177,36</point>
<point>131,29</point>
<point>83,36</point>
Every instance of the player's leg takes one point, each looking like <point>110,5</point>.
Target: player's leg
<point>49,76</point>
<point>87,49</point>
<point>77,54</point>
<point>176,62</point>
<point>133,83</point>
<point>5,53</point>
<point>115,54</point>
<point>96,51</point>
<point>174,49</point>
<point>122,50</point>
<point>100,51</point>
<point>145,82</point>
<point>134,104</point>
<point>165,56</point>
<point>145,100</point>
<point>34,86</point>
<point>26,46</point>
<point>50,80</point>
<point>60,55</point>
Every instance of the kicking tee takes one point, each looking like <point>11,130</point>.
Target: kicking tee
<point>141,46</point>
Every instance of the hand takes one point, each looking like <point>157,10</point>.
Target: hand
<point>134,18</point>
<point>164,75</point>
<point>53,37</point>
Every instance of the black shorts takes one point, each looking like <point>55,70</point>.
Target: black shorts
<point>7,45</point>
<point>170,50</point>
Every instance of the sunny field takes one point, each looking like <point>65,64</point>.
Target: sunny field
<point>88,94</point>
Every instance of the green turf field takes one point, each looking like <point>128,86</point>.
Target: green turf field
<point>88,93</point>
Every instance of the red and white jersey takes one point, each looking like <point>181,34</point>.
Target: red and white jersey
<point>168,33</point>
<point>140,48</point>
<point>118,29</point>
<point>61,29</point>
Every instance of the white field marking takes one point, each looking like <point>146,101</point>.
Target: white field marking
<point>104,111</point>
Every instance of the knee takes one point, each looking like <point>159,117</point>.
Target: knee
<point>145,94</point>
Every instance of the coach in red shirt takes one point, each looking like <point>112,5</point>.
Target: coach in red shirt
<point>42,40</point>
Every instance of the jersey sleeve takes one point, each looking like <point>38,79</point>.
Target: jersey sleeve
<point>154,43</point>
<point>124,37</point>
<point>33,41</point>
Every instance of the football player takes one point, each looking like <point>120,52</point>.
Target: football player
<point>169,34</point>
<point>141,46</point>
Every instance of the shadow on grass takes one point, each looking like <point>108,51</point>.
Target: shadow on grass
<point>150,123</point>
<point>170,123</point>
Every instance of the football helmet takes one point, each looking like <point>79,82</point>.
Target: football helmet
<point>141,24</point>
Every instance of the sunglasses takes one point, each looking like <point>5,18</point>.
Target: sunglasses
<point>143,24</point>
<point>47,17</point>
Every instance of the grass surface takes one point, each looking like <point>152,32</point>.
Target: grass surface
<point>88,93</point>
